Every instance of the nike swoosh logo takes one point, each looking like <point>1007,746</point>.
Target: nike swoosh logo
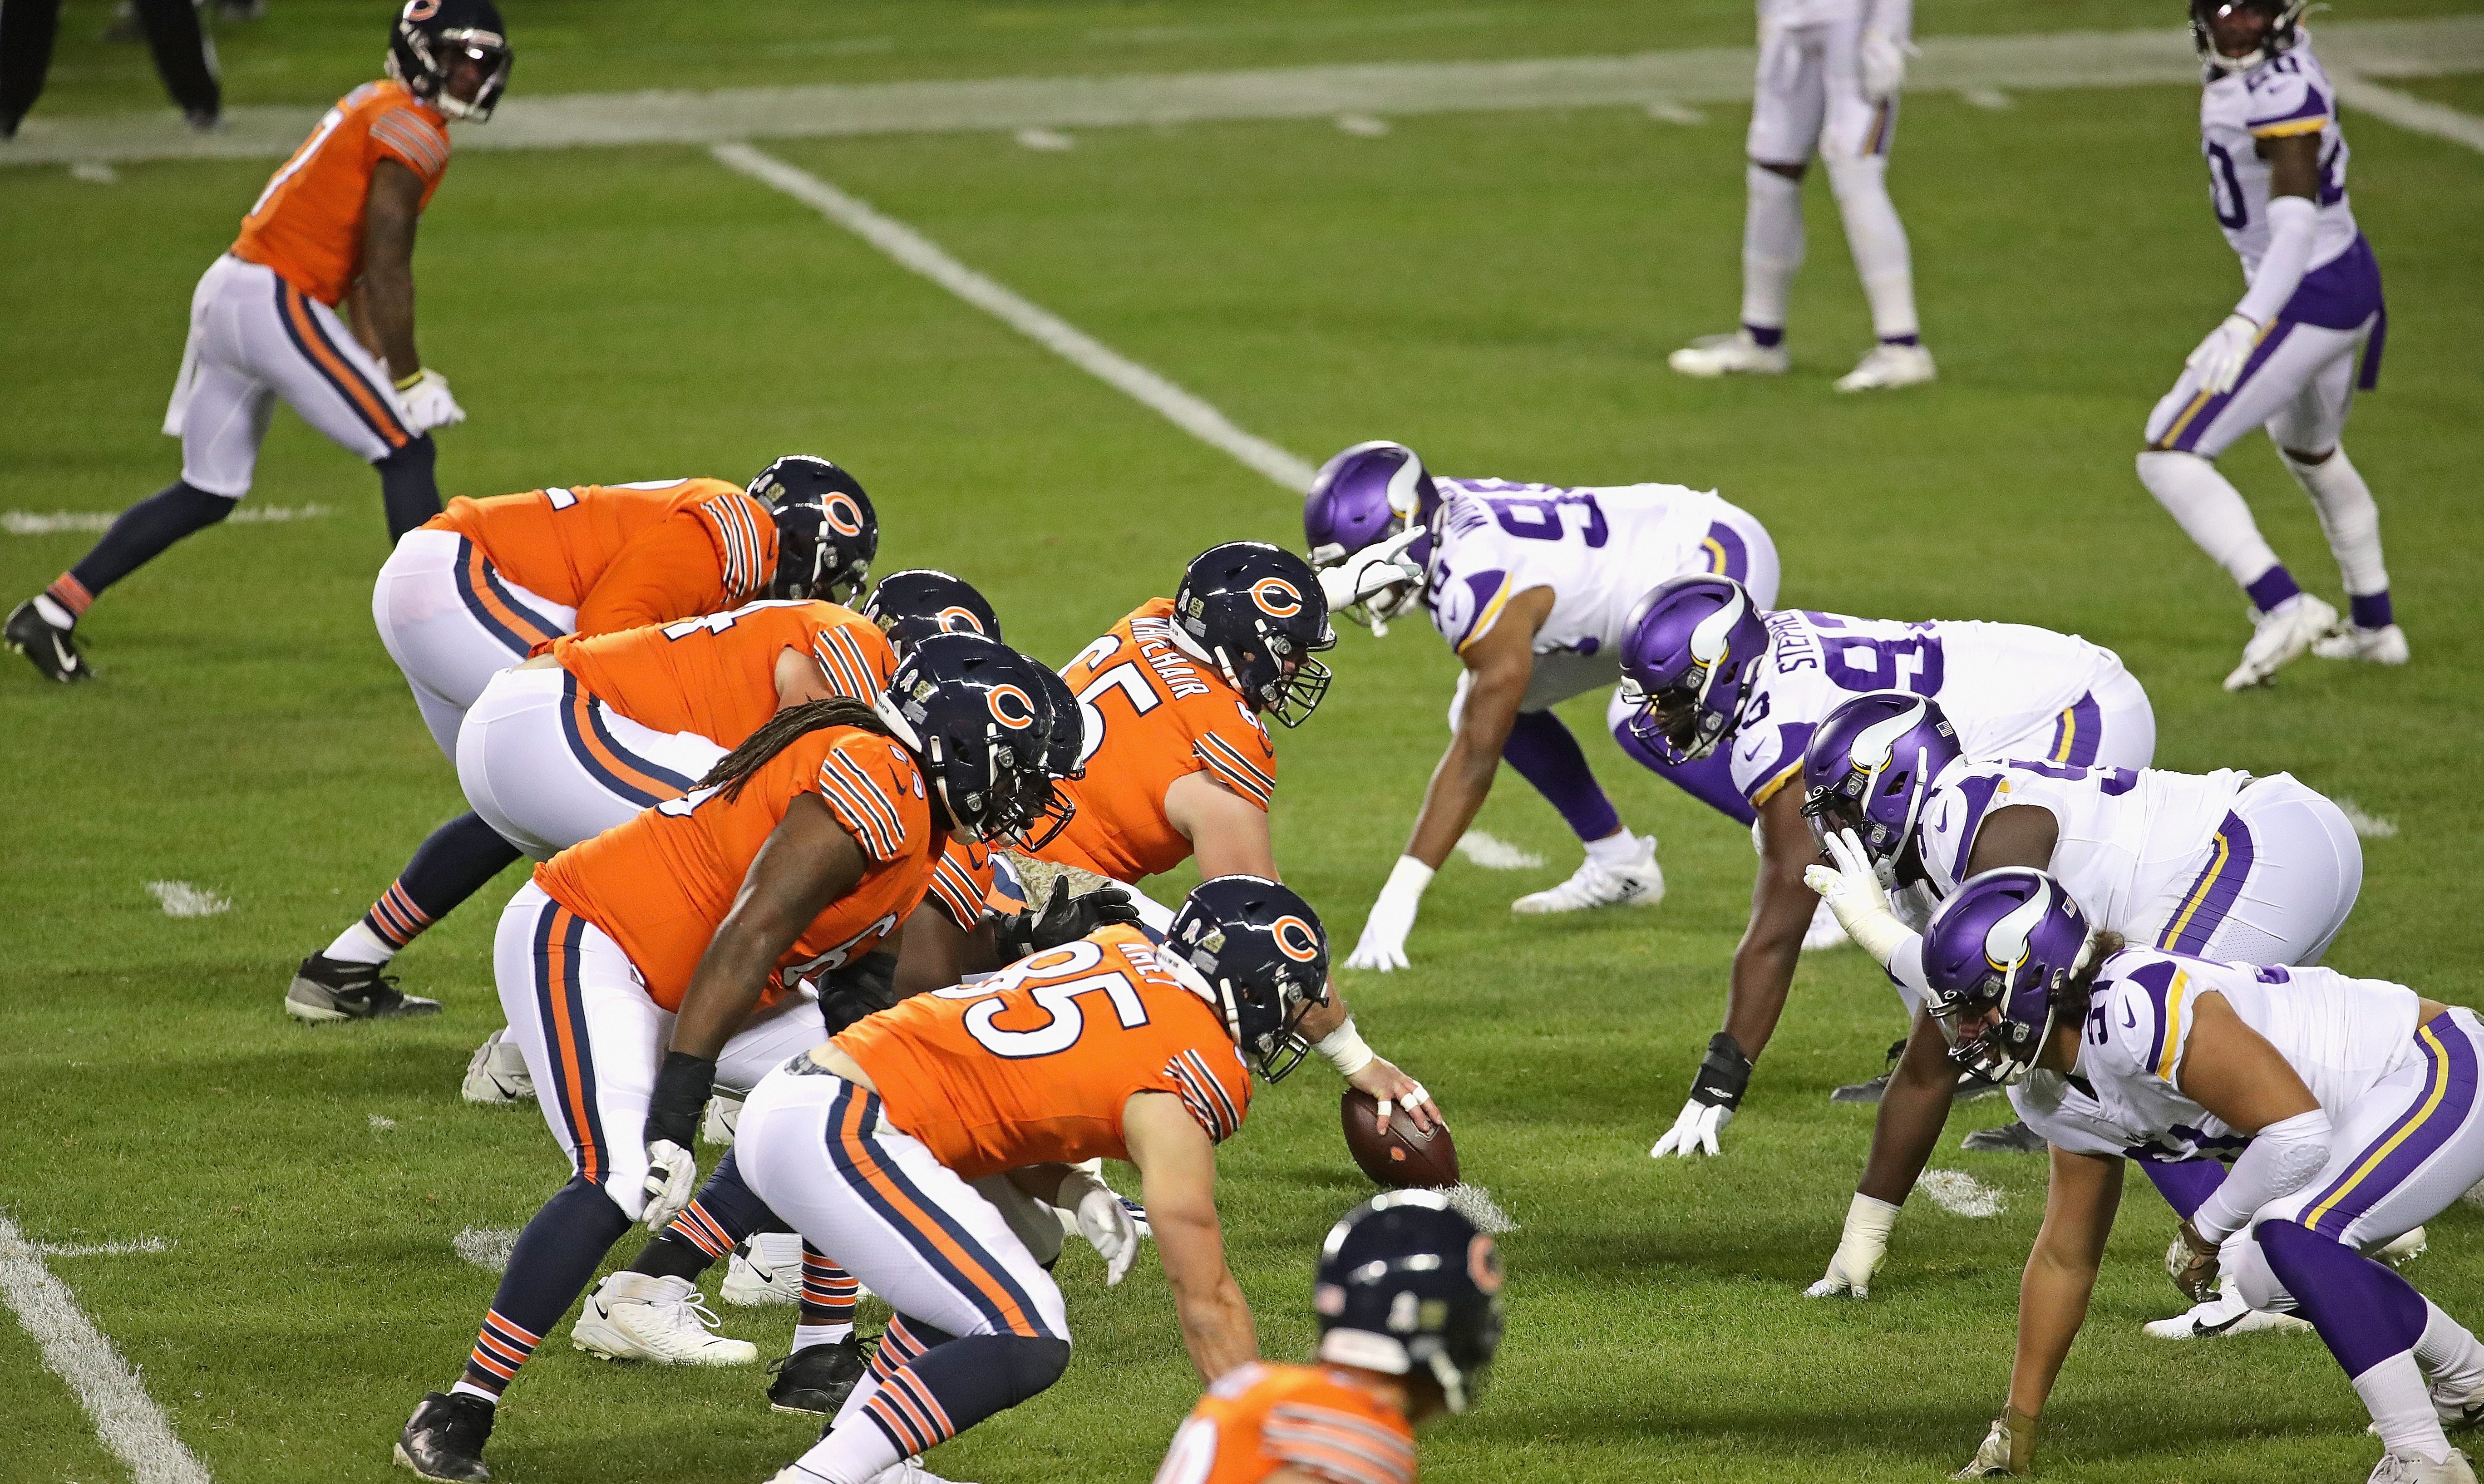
<point>2128,1019</point>
<point>69,661</point>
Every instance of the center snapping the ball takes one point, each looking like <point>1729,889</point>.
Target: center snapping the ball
<point>1404,1157</point>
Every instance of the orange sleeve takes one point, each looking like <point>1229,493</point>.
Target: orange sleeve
<point>1237,752</point>
<point>668,572</point>
<point>962,882</point>
<point>878,801</point>
<point>404,134</point>
<point>1331,1435</point>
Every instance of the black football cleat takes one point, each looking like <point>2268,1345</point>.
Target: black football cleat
<point>1869,1091</point>
<point>325,990</point>
<point>50,650</point>
<point>444,1438</point>
<point>2011,1137</point>
<point>816,1380</point>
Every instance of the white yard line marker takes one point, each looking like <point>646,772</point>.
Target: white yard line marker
<point>1991,98</point>
<point>188,899</point>
<point>1363,126</point>
<point>1474,1202</point>
<point>125,1418</point>
<point>1049,141</point>
<point>1668,111</point>
<point>2370,826</point>
<point>919,254</point>
<point>2421,116</point>
<point>104,1249</point>
<point>43,522</point>
<point>1496,855</point>
<point>486,1247</point>
<point>1962,1194</point>
<point>94,173</point>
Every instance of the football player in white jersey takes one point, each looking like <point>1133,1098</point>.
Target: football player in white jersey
<point>2289,357</point>
<point>2221,865</point>
<point>2353,1104</point>
<point>1828,80</point>
<point>1530,584</point>
<point>1707,671</point>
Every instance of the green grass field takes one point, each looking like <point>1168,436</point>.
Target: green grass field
<point>1498,290</point>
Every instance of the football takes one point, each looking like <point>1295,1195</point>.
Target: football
<point>1404,1157</point>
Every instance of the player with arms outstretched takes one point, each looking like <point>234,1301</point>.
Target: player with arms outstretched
<point>1408,1294</point>
<point>1530,584</point>
<point>2289,356</point>
<point>334,226</point>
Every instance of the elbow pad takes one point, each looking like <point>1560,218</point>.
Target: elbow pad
<point>2284,1157</point>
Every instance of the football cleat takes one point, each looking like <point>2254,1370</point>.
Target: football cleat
<point>1870,1091</point>
<point>2010,1138</point>
<point>816,1380</point>
<point>1824,933</point>
<point>637,1317</point>
<point>1730,355</point>
<point>50,649</point>
<point>444,1438</point>
<point>716,1125</point>
<point>2279,636</point>
<point>2373,646</point>
<point>1640,883</point>
<point>1973,1085</point>
<point>2405,1248</point>
<point>766,1269</point>
<point>496,1072</point>
<point>2223,1314</point>
<point>1884,367</point>
<point>2414,1468</point>
<point>326,988</point>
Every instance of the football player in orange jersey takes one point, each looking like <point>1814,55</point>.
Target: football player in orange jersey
<point>1180,764</point>
<point>334,224</point>
<point>1408,1302</point>
<point>643,967</point>
<point>488,581</point>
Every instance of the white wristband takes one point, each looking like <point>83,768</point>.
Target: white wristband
<point>1407,879</point>
<point>1869,1216</point>
<point>1344,1047</point>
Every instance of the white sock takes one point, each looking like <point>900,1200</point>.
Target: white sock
<point>2210,511</point>
<point>1772,245</point>
<point>805,1336</point>
<point>2449,1353</point>
<point>359,944</point>
<point>1619,849</point>
<point>1878,239</point>
<point>2349,517</point>
<point>2393,1392</point>
<point>470,1389</point>
<point>53,613</point>
<point>852,1450</point>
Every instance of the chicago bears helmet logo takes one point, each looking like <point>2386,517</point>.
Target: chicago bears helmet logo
<point>423,9</point>
<point>1483,1263</point>
<point>1010,707</point>
<point>1277,598</point>
<point>957,621</point>
<point>845,516</point>
<point>1295,938</point>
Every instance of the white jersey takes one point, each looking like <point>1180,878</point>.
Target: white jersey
<point>2007,688</point>
<point>2129,843</point>
<point>1599,549</point>
<point>2340,1034</point>
<point>1813,12</point>
<point>2283,97</point>
<point>2069,1119</point>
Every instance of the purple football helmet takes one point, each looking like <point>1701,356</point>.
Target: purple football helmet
<point>1690,650</point>
<point>1870,766</point>
<point>1362,496</point>
<point>2006,940</point>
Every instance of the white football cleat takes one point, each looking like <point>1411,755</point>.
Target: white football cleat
<point>2223,1314</point>
<point>1886,367</point>
<point>2406,1247</point>
<point>2409,1468</point>
<point>633,1316</point>
<point>2386,645</point>
<point>717,1124</point>
<point>1641,884</point>
<point>2279,636</point>
<point>771,1272</point>
<point>1730,355</point>
<point>496,1072</point>
<point>1825,930</point>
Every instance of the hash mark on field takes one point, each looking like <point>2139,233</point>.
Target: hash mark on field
<point>1496,855</point>
<point>94,173</point>
<point>2370,826</point>
<point>1992,99</point>
<point>486,1247</point>
<point>188,899</point>
<point>104,1249</point>
<point>1474,1202</point>
<point>1668,111</point>
<point>36,522</point>
<point>1049,140</point>
<point>382,1121</point>
<point>1962,1194</point>
<point>1363,126</point>
<point>125,1418</point>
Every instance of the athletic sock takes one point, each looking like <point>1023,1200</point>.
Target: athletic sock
<point>828,1294</point>
<point>54,603</point>
<point>2351,519</point>
<point>553,1259</point>
<point>925,1402</point>
<point>2211,512</point>
<point>459,859</point>
<point>718,1218</point>
<point>409,486</point>
<point>1772,250</point>
<point>1618,848</point>
<point>138,535</point>
<point>1546,755</point>
<point>2450,1353</point>
<point>806,1336</point>
<point>2372,1320</point>
<point>2272,588</point>
<point>1879,240</point>
<point>359,944</point>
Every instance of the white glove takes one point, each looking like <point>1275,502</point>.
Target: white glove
<point>1859,1250</point>
<point>1383,944</point>
<point>1379,574</point>
<point>1694,1131</point>
<point>1884,64</point>
<point>427,403</point>
<point>2220,357</point>
<point>1853,892</point>
<point>672,1178</point>
<point>1106,1225</point>
<point>2009,1450</point>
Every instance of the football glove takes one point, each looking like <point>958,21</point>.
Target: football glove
<point>1063,919</point>
<point>1103,1221</point>
<point>2192,1263</point>
<point>2009,1450</point>
<point>2220,357</point>
<point>1716,1091</point>
<point>672,1178</point>
<point>1884,64</point>
<point>424,396</point>
<point>1383,944</point>
<point>1859,1250</point>
<point>1855,893</point>
<point>1375,581</point>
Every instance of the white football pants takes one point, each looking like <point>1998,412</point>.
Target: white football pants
<point>254,337</point>
<point>547,764</point>
<point>451,622</point>
<point>2298,385</point>
<point>2275,884</point>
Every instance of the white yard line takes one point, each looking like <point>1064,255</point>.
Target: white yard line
<point>1962,1194</point>
<point>188,899</point>
<point>1493,854</point>
<point>104,1249</point>
<point>125,1418</point>
<point>913,251</point>
<point>2407,111</point>
<point>45,523</point>
<point>1719,74</point>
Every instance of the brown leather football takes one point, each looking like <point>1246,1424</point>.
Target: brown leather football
<point>1405,1157</point>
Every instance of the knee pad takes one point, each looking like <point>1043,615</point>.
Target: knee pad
<point>1026,1364</point>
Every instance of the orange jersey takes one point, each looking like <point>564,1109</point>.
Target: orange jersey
<point>660,884</point>
<point>1164,715</point>
<point>1258,1418</point>
<point>308,223</point>
<point>971,881</point>
<point>716,676</point>
<point>626,554</point>
<point>1033,1063</point>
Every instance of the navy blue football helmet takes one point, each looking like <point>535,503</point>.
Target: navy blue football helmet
<point>1407,1287</point>
<point>1264,955</point>
<point>826,533</point>
<point>1256,612</point>
<point>432,37</point>
<point>919,602</point>
<point>979,718</point>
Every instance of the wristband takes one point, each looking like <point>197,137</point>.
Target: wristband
<point>1869,1216</point>
<point>1408,877</point>
<point>1724,1073</point>
<point>682,1088</point>
<point>406,382</point>
<point>1344,1047</point>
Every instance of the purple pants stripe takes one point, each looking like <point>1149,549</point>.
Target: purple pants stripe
<point>2077,732</point>
<point>2194,423</point>
<point>1727,555</point>
<point>2447,1099</point>
<point>2212,896</point>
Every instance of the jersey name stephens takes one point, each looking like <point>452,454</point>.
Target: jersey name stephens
<point>1156,646</point>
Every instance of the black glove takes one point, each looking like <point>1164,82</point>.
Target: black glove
<point>1063,919</point>
<point>682,1088</point>
<point>863,987</point>
<point>1724,1072</point>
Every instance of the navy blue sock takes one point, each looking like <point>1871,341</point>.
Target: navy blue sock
<point>1546,755</point>
<point>967,1378</point>
<point>409,490</point>
<point>458,860</point>
<point>143,531</point>
<point>554,1260</point>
